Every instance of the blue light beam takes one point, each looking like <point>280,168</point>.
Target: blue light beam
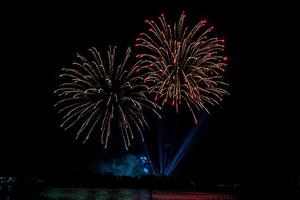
<point>185,146</point>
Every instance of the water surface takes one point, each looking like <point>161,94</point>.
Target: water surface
<point>126,194</point>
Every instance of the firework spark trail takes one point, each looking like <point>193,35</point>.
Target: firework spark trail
<point>184,66</point>
<point>98,94</point>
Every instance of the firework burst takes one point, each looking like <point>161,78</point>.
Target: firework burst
<point>184,65</point>
<point>99,94</point>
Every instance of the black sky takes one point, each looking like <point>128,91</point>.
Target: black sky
<point>251,134</point>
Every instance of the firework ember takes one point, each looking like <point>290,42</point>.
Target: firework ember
<point>183,65</point>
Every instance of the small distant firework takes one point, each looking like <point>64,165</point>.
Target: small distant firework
<point>103,94</point>
<point>184,65</point>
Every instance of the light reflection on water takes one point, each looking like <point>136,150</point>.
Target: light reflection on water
<point>112,194</point>
<point>126,194</point>
<point>92,194</point>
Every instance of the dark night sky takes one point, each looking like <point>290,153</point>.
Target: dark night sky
<point>251,134</point>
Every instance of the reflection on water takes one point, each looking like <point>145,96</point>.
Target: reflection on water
<point>162,195</point>
<point>118,194</point>
<point>92,194</point>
